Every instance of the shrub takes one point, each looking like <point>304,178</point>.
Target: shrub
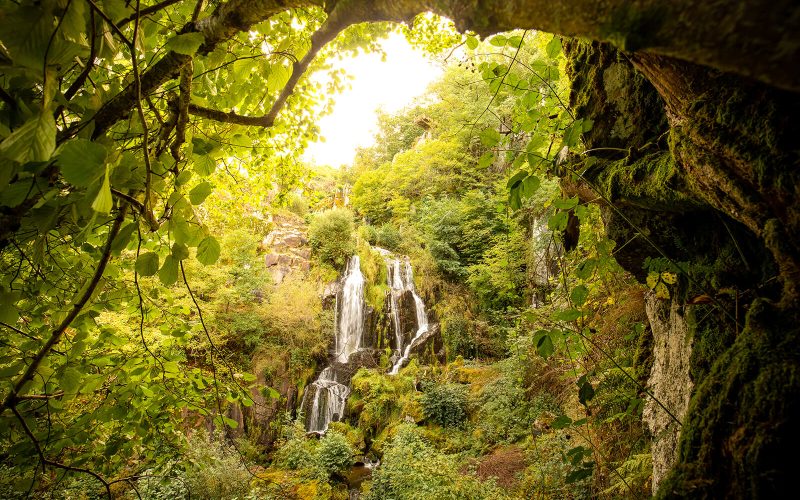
<point>368,233</point>
<point>445,404</point>
<point>334,453</point>
<point>388,237</point>
<point>457,335</point>
<point>297,204</point>
<point>330,235</point>
<point>412,468</point>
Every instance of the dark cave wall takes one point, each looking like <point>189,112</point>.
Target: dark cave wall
<point>701,167</point>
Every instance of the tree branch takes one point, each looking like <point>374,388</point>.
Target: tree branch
<point>336,22</point>
<point>147,11</point>
<point>13,397</point>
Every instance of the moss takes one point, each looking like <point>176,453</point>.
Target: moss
<point>626,110</point>
<point>650,182</point>
<point>713,334</point>
<point>742,421</point>
<point>631,28</point>
<point>643,355</point>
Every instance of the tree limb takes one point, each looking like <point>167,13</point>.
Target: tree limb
<point>147,11</point>
<point>13,396</point>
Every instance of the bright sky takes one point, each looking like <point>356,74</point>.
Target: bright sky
<point>390,85</point>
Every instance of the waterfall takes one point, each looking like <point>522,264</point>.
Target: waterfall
<point>351,317</point>
<point>327,396</point>
<point>400,278</point>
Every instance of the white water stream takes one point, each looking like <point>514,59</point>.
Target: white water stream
<point>328,393</point>
<point>401,279</point>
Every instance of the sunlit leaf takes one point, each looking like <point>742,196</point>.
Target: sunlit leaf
<point>199,193</point>
<point>186,44</point>
<point>208,251</point>
<point>168,274</point>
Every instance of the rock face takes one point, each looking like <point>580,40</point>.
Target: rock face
<point>286,248</point>
<point>669,380</point>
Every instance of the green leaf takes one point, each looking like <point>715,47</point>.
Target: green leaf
<point>208,251</point>
<point>200,192</point>
<point>561,422</point>
<point>472,42</point>
<point>514,41</point>
<point>33,141</point>
<point>554,48</point>
<point>652,279</point>
<point>180,251</point>
<point>557,221</point>
<point>516,179</point>
<point>579,295</point>
<point>278,76</point>
<point>233,424</point>
<point>147,264</point>
<point>544,346</point>
<point>566,203</point>
<point>585,269</point>
<point>71,380</point>
<point>186,44</point>
<point>530,185</point>
<point>8,313</point>
<point>486,160</point>
<point>585,391</point>
<point>572,134</point>
<point>490,137</point>
<point>204,165</point>
<point>580,474</point>
<point>568,315</point>
<point>498,40</point>
<point>169,271</point>
<point>104,202</point>
<point>122,239</point>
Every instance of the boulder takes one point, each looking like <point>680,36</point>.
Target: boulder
<point>293,240</point>
<point>271,259</point>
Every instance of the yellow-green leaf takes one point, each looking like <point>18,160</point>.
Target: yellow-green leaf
<point>669,278</point>
<point>169,271</point>
<point>81,161</point>
<point>208,251</point>
<point>103,202</point>
<point>186,44</point>
<point>147,264</point>
<point>33,141</point>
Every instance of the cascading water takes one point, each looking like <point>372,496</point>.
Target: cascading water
<point>351,314</point>
<point>328,394</point>
<point>401,280</point>
<point>329,398</point>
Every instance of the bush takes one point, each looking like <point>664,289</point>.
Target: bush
<point>330,235</point>
<point>213,469</point>
<point>457,335</point>
<point>297,204</point>
<point>412,468</point>
<point>334,453</point>
<point>445,405</point>
<point>368,233</point>
<point>388,237</point>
